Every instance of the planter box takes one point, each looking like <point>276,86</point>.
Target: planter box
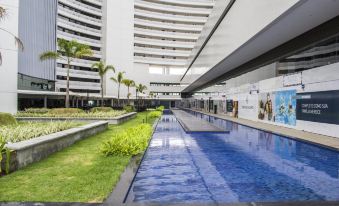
<point>114,120</point>
<point>36,149</point>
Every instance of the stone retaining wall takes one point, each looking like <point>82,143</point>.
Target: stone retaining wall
<point>36,149</point>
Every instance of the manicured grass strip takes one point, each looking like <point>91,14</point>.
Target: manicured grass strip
<point>79,173</point>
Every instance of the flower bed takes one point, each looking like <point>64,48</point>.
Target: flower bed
<point>28,130</point>
<point>70,113</point>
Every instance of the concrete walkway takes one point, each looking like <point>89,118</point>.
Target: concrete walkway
<point>322,140</point>
<point>191,123</point>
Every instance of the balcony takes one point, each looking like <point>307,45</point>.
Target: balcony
<point>175,9</point>
<point>174,35</point>
<point>78,73</point>
<point>78,16</point>
<point>171,17</point>
<point>79,28</point>
<point>162,52</point>
<point>163,25</point>
<point>160,61</point>
<point>78,62</point>
<point>207,3</point>
<point>80,39</point>
<point>164,43</point>
<point>96,2</point>
<point>78,85</point>
<point>82,7</point>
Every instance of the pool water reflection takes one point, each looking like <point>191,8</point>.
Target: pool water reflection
<point>246,165</point>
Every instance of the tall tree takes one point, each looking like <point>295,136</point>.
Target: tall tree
<point>68,50</point>
<point>102,70</point>
<point>128,83</point>
<point>140,88</point>
<point>18,42</point>
<point>118,80</point>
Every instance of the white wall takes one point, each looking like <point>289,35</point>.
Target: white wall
<point>9,51</point>
<point>119,40</point>
<point>324,78</point>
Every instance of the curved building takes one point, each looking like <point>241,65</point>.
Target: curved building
<point>80,20</point>
<point>165,31</point>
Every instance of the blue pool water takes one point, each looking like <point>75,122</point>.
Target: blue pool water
<point>246,165</point>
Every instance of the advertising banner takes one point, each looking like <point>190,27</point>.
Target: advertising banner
<point>235,109</point>
<point>320,107</point>
<point>266,106</point>
<point>229,105</point>
<point>285,107</point>
<point>248,106</point>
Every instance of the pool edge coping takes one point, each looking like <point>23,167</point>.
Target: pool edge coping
<point>306,140</point>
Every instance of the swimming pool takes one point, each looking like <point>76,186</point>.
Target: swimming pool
<point>246,165</point>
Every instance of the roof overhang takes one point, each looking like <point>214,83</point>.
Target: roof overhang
<point>305,23</point>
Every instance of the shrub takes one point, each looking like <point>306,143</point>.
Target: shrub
<point>129,108</point>
<point>160,108</point>
<point>66,111</point>
<point>129,142</point>
<point>37,110</point>
<point>101,109</point>
<point>4,150</point>
<point>29,130</point>
<point>154,114</point>
<point>7,119</point>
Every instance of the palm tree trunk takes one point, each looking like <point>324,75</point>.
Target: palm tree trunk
<point>102,91</point>
<point>67,85</point>
<point>119,94</point>
<point>128,95</point>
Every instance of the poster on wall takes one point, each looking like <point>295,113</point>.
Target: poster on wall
<point>248,106</point>
<point>319,107</point>
<point>229,105</point>
<point>285,107</point>
<point>235,109</point>
<point>266,106</point>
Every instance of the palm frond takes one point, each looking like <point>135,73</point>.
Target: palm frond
<point>3,13</point>
<point>114,79</point>
<point>109,67</point>
<point>49,55</point>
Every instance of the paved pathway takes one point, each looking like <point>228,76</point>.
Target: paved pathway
<point>191,123</point>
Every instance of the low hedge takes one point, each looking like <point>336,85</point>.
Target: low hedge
<point>160,108</point>
<point>101,109</point>
<point>66,111</point>
<point>129,108</point>
<point>129,142</point>
<point>155,114</point>
<point>7,119</point>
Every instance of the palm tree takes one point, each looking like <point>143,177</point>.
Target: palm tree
<point>18,42</point>
<point>140,88</point>
<point>68,50</point>
<point>128,83</point>
<point>102,70</point>
<point>118,80</point>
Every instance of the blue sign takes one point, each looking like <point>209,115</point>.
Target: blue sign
<point>285,107</point>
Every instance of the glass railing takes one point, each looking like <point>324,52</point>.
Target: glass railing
<point>170,16</point>
<point>76,14</point>
<point>172,8</point>
<point>158,24</point>
<point>75,25</point>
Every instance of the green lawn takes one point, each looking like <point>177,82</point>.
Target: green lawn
<point>79,173</point>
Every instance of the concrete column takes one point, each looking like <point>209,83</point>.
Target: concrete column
<point>112,102</point>
<point>82,102</point>
<point>45,101</point>
<point>77,102</point>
